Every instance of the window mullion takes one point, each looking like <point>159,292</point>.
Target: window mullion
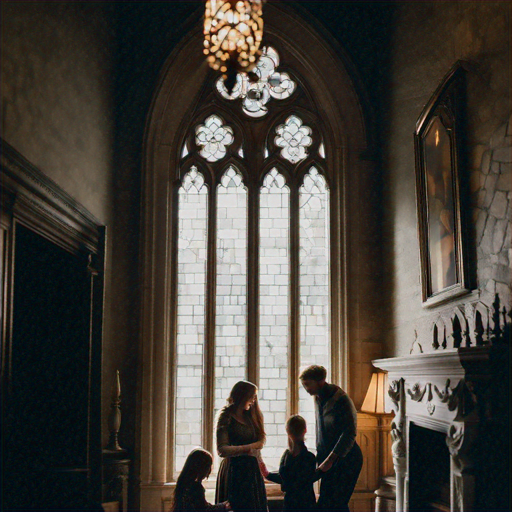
<point>209,349</point>
<point>253,283</point>
<point>294,361</point>
<point>173,338</point>
<point>335,295</point>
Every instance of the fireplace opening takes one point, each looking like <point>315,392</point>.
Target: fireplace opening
<point>429,470</point>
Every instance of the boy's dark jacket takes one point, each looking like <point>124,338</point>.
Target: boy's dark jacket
<point>296,476</point>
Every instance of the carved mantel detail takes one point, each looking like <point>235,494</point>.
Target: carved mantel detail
<point>418,392</point>
<point>459,396</point>
<point>476,324</point>
<point>398,428</point>
<point>396,392</point>
<point>461,440</point>
<point>463,393</point>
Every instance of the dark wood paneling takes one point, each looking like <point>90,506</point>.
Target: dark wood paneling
<point>52,294</point>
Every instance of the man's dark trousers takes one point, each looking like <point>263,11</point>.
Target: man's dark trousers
<point>339,482</point>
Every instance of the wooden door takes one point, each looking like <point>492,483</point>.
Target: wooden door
<point>52,277</point>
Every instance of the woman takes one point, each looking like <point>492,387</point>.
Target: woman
<point>240,437</point>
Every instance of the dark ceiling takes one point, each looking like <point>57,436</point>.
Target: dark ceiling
<point>146,32</point>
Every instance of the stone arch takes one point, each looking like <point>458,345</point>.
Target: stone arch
<point>438,334</point>
<point>460,331</point>
<point>479,324</point>
<point>181,80</point>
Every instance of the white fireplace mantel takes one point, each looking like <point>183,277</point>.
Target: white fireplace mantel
<point>442,391</point>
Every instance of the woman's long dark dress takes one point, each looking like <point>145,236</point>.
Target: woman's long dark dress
<point>239,480</point>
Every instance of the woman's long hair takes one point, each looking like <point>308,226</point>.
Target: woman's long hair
<point>242,391</point>
<point>197,467</point>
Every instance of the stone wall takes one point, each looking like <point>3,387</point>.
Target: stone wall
<point>429,38</point>
<point>492,199</point>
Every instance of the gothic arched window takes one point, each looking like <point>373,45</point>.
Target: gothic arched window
<point>255,238</point>
<point>253,241</point>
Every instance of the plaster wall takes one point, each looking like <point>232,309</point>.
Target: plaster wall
<point>56,99</point>
<point>57,111</point>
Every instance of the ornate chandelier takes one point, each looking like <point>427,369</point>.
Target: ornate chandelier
<point>233,30</point>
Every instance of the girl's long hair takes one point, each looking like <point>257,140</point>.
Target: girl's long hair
<point>197,467</point>
<point>242,391</point>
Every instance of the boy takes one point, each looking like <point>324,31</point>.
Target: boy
<point>297,469</point>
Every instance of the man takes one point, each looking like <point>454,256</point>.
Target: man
<point>338,454</point>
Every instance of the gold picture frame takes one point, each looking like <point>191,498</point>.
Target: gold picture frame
<point>441,226</point>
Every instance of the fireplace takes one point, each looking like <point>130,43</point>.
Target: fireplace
<point>450,432</point>
<point>429,470</point>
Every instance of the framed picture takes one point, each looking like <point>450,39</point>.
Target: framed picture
<point>444,272</point>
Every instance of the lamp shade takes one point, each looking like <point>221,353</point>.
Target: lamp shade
<point>374,400</point>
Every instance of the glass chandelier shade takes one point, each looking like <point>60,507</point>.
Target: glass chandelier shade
<point>232,34</point>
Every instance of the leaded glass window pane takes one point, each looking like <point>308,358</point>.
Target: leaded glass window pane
<point>192,249</point>
<point>231,291</point>
<point>255,95</point>
<point>228,291</point>
<point>321,150</point>
<point>184,150</point>
<point>294,138</point>
<point>274,311</point>
<point>213,137</point>
<point>314,280</point>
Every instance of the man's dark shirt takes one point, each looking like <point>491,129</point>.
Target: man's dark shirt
<point>336,422</point>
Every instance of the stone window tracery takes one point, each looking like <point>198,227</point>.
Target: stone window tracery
<point>214,137</point>
<point>294,138</point>
<point>273,309</point>
<point>256,94</point>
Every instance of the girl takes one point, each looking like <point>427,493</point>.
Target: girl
<point>189,492</point>
<point>240,437</point>
<point>296,469</point>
